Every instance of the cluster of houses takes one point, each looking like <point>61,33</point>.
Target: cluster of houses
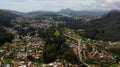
<point>41,25</point>
<point>25,51</point>
<point>31,22</point>
<point>96,49</point>
<point>60,63</point>
<point>97,46</point>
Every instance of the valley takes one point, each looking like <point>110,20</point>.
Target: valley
<point>53,39</point>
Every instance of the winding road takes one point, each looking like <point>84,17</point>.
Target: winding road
<point>80,55</point>
<point>79,50</point>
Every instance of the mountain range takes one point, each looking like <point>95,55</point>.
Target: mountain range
<point>88,13</point>
<point>83,12</point>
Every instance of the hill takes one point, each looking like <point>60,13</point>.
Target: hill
<point>84,13</point>
<point>105,28</point>
<point>17,13</point>
<point>37,13</point>
<point>4,36</point>
<point>5,17</point>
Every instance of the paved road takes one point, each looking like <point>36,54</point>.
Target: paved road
<point>80,55</point>
<point>79,50</point>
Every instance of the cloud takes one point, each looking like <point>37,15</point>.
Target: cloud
<point>14,0</point>
<point>55,5</point>
<point>108,4</point>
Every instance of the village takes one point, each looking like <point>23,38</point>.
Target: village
<point>27,50</point>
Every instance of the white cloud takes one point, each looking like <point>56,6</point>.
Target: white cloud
<point>108,4</point>
<point>55,5</point>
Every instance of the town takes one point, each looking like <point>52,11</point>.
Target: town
<point>30,45</point>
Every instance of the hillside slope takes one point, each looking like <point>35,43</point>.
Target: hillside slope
<point>5,17</point>
<point>5,36</point>
<point>105,28</point>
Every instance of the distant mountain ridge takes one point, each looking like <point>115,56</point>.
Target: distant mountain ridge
<point>17,12</point>
<point>86,13</point>
<point>83,12</point>
<point>37,13</point>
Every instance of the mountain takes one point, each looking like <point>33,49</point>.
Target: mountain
<point>37,13</point>
<point>6,17</point>
<point>14,12</point>
<point>84,13</point>
<point>67,11</point>
<point>17,13</point>
<point>106,28</point>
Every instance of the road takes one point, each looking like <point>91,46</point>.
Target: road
<point>79,50</point>
<point>80,55</point>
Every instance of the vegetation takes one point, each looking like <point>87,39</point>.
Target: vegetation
<point>55,48</point>
<point>6,17</point>
<point>105,28</point>
<point>48,35</point>
<point>5,36</point>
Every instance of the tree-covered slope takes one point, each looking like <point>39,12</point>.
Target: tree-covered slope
<point>5,17</point>
<point>5,36</point>
<point>105,28</point>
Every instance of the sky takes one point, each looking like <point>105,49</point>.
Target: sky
<point>56,5</point>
